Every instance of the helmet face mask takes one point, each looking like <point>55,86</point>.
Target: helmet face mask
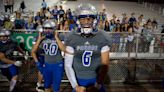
<point>48,32</point>
<point>4,39</point>
<point>86,25</point>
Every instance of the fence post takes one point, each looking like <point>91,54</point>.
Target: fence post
<point>137,42</point>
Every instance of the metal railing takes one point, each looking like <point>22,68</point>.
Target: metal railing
<point>124,45</point>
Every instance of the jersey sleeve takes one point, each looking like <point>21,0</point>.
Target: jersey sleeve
<point>10,47</point>
<point>69,39</point>
<point>107,39</point>
<point>61,36</point>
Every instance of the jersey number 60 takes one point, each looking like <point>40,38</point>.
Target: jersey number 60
<point>86,58</point>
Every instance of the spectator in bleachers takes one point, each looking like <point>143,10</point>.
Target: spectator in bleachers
<point>123,38</point>
<point>118,26</point>
<point>69,14</point>
<point>37,23</point>
<point>124,18</point>
<point>104,15</point>
<point>124,27</point>
<point>107,27</point>
<point>114,18</point>
<point>59,26</point>
<point>8,4</point>
<point>44,5</point>
<point>64,18</point>
<point>48,9</point>
<point>101,25</point>
<point>74,16</point>
<point>130,39</point>
<point>66,25</point>
<point>42,15</point>
<point>119,40</point>
<point>7,23</point>
<point>61,13</point>
<point>112,25</point>
<point>154,24</point>
<point>11,5</point>
<point>132,19</point>
<point>147,37</point>
<point>55,12</point>
<point>5,3</point>
<point>19,22</point>
<point>22,6</point>
<point>137,28</point>
<point>47,13</point>
<point>72,25</point>
<point>30,24</point>
<point>37,17</point>
<point>141,20</point>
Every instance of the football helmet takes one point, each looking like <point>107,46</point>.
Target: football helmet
<point>47,28</point>
<point>49,24</point>
<point>86,11</point>
<point>4,35</point>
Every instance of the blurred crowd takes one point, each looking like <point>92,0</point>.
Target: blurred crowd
<point>124,29</point>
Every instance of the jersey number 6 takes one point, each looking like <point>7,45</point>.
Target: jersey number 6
<point>86,58</point>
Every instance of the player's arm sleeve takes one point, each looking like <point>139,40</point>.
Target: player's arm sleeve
<point>105,49</point>
<point>68,66</point>
<point>105,55</point>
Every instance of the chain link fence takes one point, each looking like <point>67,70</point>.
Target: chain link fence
<point>132,57</point>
